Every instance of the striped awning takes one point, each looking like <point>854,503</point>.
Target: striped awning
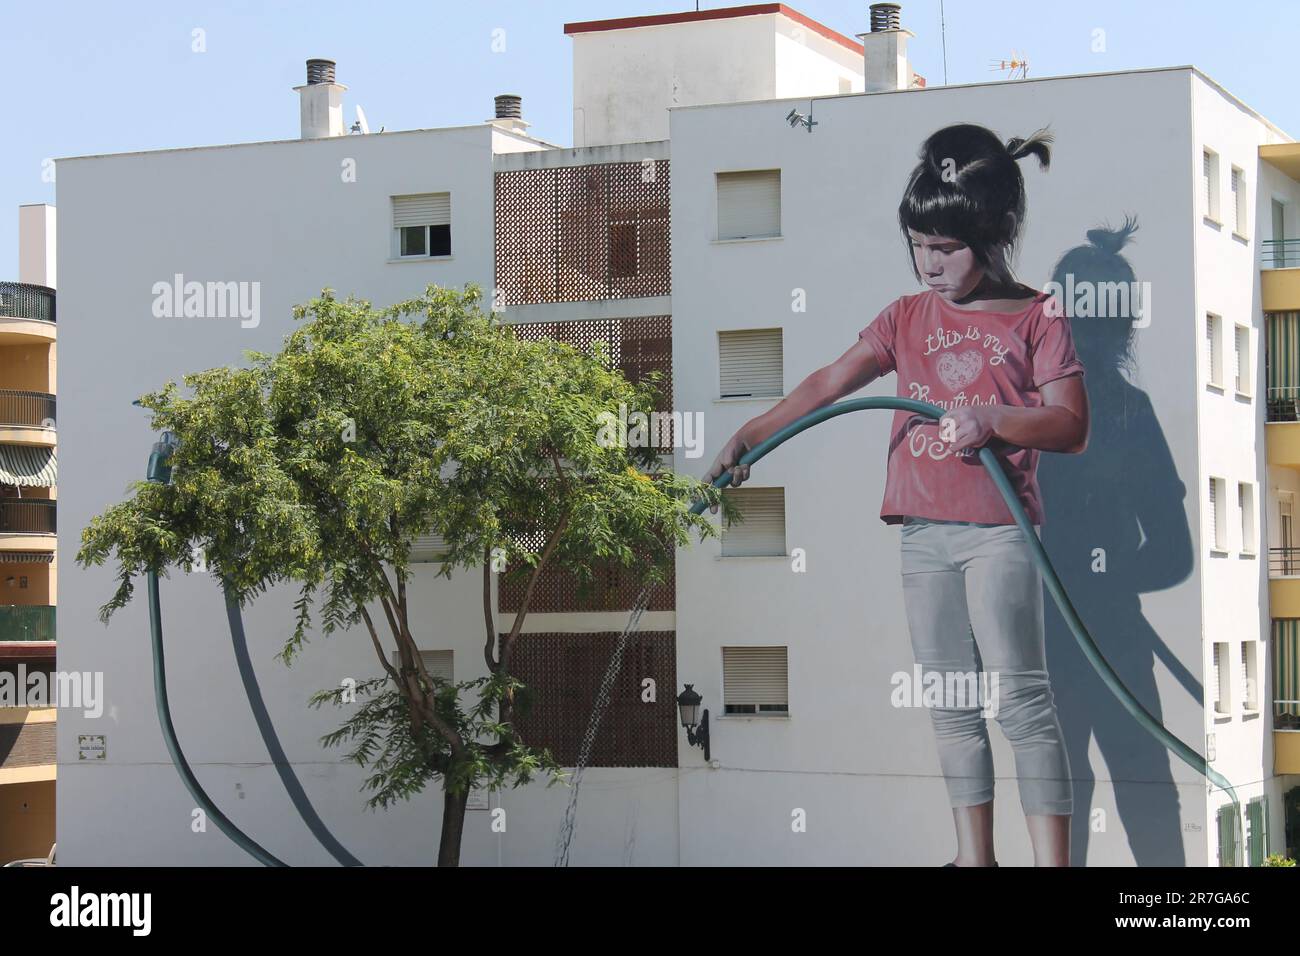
<point>28,466</point>
<point>1286,665</point>
<point>26,557</point>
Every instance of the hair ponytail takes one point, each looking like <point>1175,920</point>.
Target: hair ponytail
<point>1038,144</point>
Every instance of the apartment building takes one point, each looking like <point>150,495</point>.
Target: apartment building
<point>727,214</point>
<point>28,553</point>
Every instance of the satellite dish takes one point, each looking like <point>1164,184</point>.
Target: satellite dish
<point>361,126</point>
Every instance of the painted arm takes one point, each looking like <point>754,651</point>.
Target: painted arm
<point>851,371</point>
<point>1060,424</point>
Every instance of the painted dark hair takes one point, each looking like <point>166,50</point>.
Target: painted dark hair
<point>964,186</point>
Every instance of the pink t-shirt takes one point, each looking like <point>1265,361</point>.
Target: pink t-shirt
<point>952,357</point>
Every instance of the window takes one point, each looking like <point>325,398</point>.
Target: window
<point>1256,831</point>
<point>1286,562</point>
<point>1246,503</point>
<point>755,680</point>
<point>437,663</point>
<point>1213,350</point>
<point>749,204</point>
<point>422,226</point>
<point>1250,676</point>
<point>428,548</point>
<point>1217,522</point>
<point>1210,183</point>
<point>750,364</point>
<point>1286,673</point>
<point>1241,359</point>
<point>1239,218</point>
<point>760,529</point>
<point>1228,826</point>
<point>1222,687</point>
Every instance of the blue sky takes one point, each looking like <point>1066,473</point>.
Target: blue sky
<point>101,77</point>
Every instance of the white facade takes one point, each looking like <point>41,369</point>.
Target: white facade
<point>863,772</point>
<point>625,80</point>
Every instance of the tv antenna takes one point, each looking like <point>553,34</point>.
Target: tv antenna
<point>362,126</point>
<point>1016,68</point>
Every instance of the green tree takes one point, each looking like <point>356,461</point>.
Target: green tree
<point>316,467</point>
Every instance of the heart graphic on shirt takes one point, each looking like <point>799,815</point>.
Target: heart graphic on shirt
<point>958,371</point>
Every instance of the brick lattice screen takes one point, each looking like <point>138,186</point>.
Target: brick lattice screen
<point>582,233</point>
<point>563,673</point>
<point>635,346</point>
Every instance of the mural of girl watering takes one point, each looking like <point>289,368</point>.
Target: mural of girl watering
<point>999,358</point>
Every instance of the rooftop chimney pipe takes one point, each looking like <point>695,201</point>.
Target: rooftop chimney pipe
<point>885,16</point>
<point>321,101</point>
<point>509,106</point>
<point>509,113</point>
<point>885,65</point>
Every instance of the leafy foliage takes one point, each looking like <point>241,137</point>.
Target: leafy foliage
<point>319,465</point>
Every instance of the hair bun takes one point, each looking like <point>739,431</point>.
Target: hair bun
<point>1110,240</point>
<point>1038,143</point>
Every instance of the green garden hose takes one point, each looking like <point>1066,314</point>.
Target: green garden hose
<point>159,470</point>
<point>991,464</point>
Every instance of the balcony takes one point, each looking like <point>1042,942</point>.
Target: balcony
<point>26,623</point>
<point>1282,435</point>
<point>26,314</point>
<point>26,418</point>
<point>27,524</point>
<point>1279,277</point>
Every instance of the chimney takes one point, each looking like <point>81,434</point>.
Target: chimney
<point>510,113</point>
<point>884,51</point>
<point>36,245</point>
<point>321,101</point>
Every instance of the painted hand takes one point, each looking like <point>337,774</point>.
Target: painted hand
<point>731,453</point>
<point>970,426</point>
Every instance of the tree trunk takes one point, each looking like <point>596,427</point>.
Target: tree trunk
<point>453,824</point>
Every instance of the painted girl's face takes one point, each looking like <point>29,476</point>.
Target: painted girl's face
<point>948,266</point>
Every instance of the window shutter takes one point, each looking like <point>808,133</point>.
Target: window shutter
<point>1207,178</point>
<point>1227,836</point>
<point>1245,677</point>
<point>749,204</point>
<point>1215,371</point>
<point>1242,358</point>
<point>1214,511</point>
<point>428,548</point>
<point>437,663</point>
<point>755,677</point>
<point>1236,360</point>
<point>1243,509</point>
<point>750,363</point>
<point>762,528</point>
<point>1238,203</point>
<point>1254,834</point>
<point>430,209</point>
<point>1218,678</point>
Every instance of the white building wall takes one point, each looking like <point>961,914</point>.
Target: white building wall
<point>625,81</point>
<point>1235,589</point>
<point>865,772</point>
<point>280,214</point>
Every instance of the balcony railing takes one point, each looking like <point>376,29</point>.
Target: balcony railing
<point>26,622</point>
<point>26,408</point>
<point>27,516</point>
<point>1283,403</point>
<point>21,300</point>
<point>1280,253</point>
<point>1283,562</point>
